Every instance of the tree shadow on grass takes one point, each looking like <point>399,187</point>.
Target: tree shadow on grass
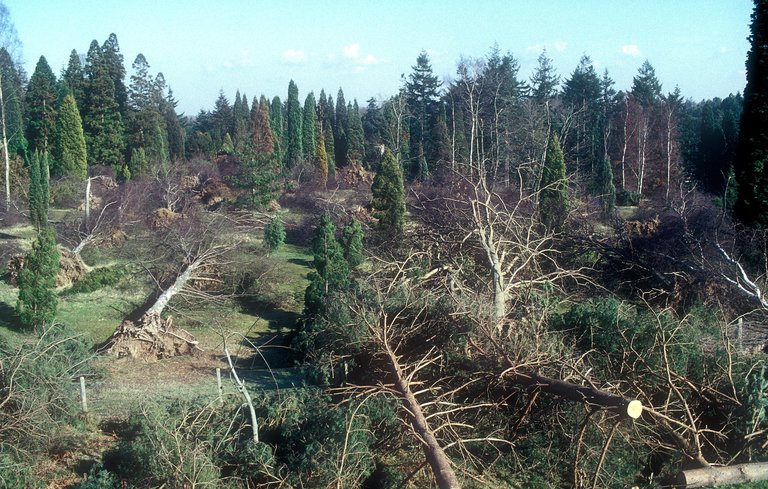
<point>304,262</point>
<point>9,317</point>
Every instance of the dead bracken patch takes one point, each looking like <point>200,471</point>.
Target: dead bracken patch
<point>162,218</point>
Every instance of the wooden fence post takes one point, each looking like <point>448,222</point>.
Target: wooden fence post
<point>218,384</point>
<point>83,398</point>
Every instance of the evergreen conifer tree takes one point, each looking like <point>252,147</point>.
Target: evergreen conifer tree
<point>388,191</point>
<point>751,164</point>
<point>553,197</point>
<point>70,154</point>
<point>328,255</point>
<point>102,122</point>
<point>37,302</point>
<point>274,233</point>
<point>605,186</point>
<point>115,67</point>
<point>227,147</point>
<point>138,165</point>
<point>41,101</point>
<point>355,134</point>
<point>340,126</point>
<point>262,141</point>
<point>222,119</point>
<point>36,199</point>
<point>294,149</point>
<point>325,105</point>
<point>75,78</point>
<point>352,243</point>
<point>13,91</point>
<point>278,126</point>
<point>422,96</point>
<point>322,161</point>
<point>309,128</point>
<point>544,80</point>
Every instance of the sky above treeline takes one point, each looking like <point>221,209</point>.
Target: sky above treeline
<point>257,46</point>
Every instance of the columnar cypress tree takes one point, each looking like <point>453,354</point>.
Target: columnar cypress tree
<point>262,140</point>
<point>241,117</point>
<point>278,126</point>
<point>294,148</point>
<point>37,302</point>
<point>326,109</point>
<point>41,102</point>
<point>322,161</point>
<point>751,165</point>
<point>309,128</point>
<point>340,125</point>
<point>355,136</point>
<point>389,195</point>
<point>352,243</point>
<point>553,197</point>
<point>70,155</point>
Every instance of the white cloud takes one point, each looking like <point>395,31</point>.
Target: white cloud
<point>535,48</point>
<point>630,50</point>
<point>294,56</point>
<point>352,51</point>
<point>560,46</point>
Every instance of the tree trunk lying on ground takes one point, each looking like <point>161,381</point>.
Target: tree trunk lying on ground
<point>581,393</point>
<point>719,476</point>
<point>150,336</point>
<point>434,453</point>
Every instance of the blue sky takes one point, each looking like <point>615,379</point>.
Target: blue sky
<point>364,46</point>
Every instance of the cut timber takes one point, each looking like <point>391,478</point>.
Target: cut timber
<point>718,476</point>
<point>150,338</point>
<point>631,408</point>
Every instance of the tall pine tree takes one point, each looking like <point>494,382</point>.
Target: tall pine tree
<point>340,125</point>
<point>37,302</point>
<point>355,134</point>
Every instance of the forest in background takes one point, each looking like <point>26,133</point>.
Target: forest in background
<point>503,270</point>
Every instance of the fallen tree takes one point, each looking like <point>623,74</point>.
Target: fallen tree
<point>199,245</point>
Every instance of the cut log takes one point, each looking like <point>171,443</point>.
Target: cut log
<point>718,476</point>
<point>630,408</point>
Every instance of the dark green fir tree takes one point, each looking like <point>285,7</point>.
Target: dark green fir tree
<point>751,165</point>
<point>553,197</point>
<point>70,157</point>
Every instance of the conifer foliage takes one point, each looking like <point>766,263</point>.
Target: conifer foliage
<point>389,195</point>
<point>37,301</point>
<point>553,200</point>
<point>70,156</point>
<point>751,165</point>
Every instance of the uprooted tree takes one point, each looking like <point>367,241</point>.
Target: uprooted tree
<point>191,249</point>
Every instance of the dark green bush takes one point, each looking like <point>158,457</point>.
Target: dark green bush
<point>98,279</point>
